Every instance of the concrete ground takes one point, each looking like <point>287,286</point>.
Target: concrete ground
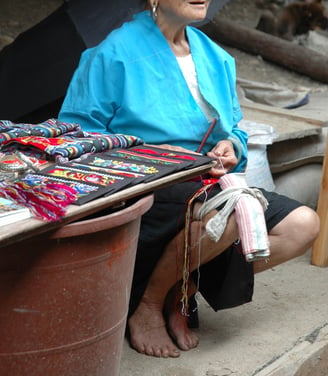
<point>282,332</point>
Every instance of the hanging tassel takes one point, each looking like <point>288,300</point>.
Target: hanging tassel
<point>45,201</point>
<point>207,183</point>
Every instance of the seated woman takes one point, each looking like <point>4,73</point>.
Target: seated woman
<point>158,78</point>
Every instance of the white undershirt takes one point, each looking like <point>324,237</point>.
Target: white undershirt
<point>188,69</point>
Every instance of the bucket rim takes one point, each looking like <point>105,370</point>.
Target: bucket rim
<point>106,222</point>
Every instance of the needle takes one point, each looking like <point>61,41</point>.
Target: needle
<point>200,147</point>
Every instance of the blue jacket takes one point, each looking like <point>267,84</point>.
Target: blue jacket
<point>131,83</point>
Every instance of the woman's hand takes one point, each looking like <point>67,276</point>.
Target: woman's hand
<point>226,158</point>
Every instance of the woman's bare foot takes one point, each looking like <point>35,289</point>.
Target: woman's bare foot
<point>185,338</point>
<point>148,334</point>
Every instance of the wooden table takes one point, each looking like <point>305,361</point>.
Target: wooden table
<point>28,228</point>
<point>297,124</point>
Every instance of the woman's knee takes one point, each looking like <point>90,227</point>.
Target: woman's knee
<point>302,224</point>
<point>308,222</point>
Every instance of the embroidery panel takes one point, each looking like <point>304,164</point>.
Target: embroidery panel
<point>194,159</point>
<point>148,171</point>
<point>85,192</point>
<point>95,167</point>
<point>155,159</point>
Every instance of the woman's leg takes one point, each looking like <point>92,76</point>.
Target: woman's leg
<point>291,237</point>
<point>147,326</point>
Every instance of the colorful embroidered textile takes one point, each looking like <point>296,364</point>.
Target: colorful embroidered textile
<point>49,128</point>
<point>196,159</point>
<point>84,192</point>
<point>249,205</point>
<point>107,183</point>
<point>107,170</point>
<point>145,170</point>
<point>149,158</point>
<point>153,162</point>
<point>46,201</point>
<point>60,141</point>
<point>119,168</point>
<point>95,174</point>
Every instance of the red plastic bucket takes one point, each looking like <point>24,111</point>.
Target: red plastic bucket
<point>64,297</point>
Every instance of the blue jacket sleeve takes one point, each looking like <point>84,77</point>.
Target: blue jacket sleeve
<point>94,93</point>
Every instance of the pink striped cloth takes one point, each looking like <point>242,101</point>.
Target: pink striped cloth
<point>250,218</point>
<point>249,205</point>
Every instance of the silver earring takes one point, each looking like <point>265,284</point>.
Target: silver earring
<point>154,12</point>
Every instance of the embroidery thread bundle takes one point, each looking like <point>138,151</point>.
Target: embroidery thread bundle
<point>187,246</point>
<point>45,201</point>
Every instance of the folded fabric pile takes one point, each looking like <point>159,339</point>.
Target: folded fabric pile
<point>58,141</point>
<point>52,140</point>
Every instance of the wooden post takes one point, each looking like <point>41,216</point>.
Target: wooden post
<point>320,247</point>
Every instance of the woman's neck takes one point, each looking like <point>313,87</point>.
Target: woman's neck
<point>177,39</point>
